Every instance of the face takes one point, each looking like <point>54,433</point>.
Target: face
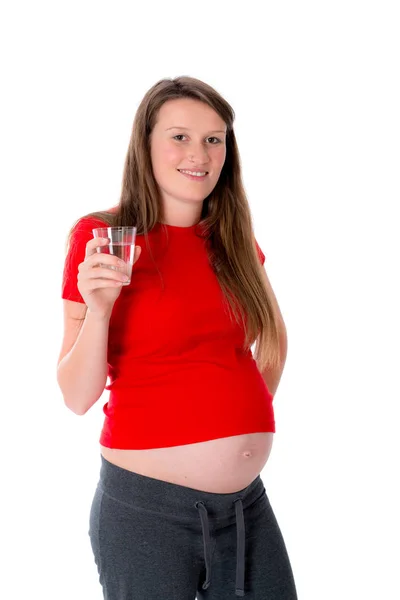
<point>188,135</point>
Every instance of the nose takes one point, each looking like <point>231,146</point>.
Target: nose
<point>198,154</point>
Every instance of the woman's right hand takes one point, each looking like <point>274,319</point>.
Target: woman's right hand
<point>101,286</point>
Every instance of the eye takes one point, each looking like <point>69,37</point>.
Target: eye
<point>210,138</point>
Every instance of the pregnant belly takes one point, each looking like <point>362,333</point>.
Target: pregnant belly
<point>224,465</point>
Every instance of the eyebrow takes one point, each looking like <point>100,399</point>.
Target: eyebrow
<point>187,129</point>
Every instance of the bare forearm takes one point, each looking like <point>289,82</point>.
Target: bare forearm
<point>272,377</point>
<point>82,373</point>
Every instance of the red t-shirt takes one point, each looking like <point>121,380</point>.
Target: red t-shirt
<point>177,371</point>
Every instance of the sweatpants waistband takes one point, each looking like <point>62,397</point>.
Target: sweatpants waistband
<point>171,499</point>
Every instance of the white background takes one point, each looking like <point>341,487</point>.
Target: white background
<point>315,87</point>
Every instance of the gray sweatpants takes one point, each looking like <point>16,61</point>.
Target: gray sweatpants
<point>154,540</point>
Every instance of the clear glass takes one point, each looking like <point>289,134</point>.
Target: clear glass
<point>121,244</point>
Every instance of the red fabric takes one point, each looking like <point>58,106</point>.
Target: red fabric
<point>177,371</point>
<point>260,253</point>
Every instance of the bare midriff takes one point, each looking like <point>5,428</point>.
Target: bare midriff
<point>224,465</point>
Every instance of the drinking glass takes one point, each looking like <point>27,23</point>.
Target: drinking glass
<point>121,244</point>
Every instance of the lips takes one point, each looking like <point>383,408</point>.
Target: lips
<point>195,178</point>
<point>180,171</point>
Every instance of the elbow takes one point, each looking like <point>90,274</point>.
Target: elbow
<point>283,353</point>
<point>76,408</point>
<point>73,405</point>
<point>283,345</point>
<point>80,406</point>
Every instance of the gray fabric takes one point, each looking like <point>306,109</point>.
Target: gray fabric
<point>155,540</point>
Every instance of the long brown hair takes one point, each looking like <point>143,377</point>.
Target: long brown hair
<point>226,217</point>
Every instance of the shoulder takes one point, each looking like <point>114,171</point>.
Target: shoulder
<point>89,222</point>
<point>84,226</point>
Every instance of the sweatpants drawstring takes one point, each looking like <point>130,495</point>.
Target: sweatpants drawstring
<point>240,547</point>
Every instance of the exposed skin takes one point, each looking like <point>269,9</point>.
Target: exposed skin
<point>200,148</point>
<point>223,465</point>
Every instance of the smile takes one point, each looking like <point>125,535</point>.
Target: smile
<point>193,175</point>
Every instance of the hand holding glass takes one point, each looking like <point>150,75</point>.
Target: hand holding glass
<point>121,244</point>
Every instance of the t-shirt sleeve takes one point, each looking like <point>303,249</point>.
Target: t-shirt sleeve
<point>81,234</point>
<point>260,253</point>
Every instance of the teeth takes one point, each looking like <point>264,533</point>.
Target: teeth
<point>196,174</point>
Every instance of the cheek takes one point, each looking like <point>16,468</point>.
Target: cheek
<point>172,156</point>
<point>219,156</point>
<point>167,155</point>
<point>164,158</point>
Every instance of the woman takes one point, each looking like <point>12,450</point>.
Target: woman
<point>180,508</point>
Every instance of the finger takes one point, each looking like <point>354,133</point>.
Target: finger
<point>94,284</point>
<point>102,274</point>
<point>98,258</point>
<point>138,251</point>
<point>107,273</point>
<point>93,244</point>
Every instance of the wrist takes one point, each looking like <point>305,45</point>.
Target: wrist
<point>102,317</point>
